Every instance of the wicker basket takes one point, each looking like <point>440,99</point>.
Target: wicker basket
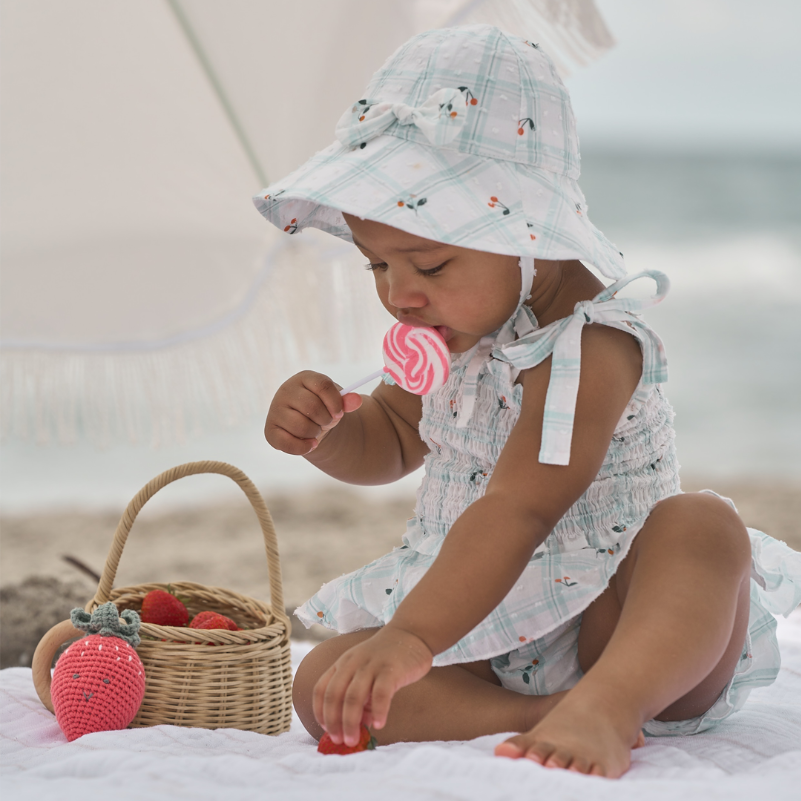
<point>244,682</point>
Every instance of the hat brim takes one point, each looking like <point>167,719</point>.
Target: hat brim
<point>460,199</point>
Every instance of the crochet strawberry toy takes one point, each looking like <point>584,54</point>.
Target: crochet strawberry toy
<point>99,681</point>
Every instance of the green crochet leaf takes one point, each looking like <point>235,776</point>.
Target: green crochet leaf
<point>105,621</point>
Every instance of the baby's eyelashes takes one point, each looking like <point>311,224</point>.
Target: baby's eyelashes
<point>419,270</point>
<point>431,271</point>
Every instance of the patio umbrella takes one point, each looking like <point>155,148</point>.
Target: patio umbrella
<point>143,298</point>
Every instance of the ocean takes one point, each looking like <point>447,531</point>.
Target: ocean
<point>725,227</point>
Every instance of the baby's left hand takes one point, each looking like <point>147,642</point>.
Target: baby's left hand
<point>359,686</point>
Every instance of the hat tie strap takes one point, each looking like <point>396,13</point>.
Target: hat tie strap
<point>470,383</point>
<point>519,324</point>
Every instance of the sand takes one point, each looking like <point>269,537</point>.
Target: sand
<point>321,535</point>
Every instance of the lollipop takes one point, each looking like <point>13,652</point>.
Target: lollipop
<point>417,358</point>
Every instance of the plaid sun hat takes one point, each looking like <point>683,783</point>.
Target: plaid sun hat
<point>465,136</point>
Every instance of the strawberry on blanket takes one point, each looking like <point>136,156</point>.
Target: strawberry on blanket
<point>366,743</point>
<point>99,681</point>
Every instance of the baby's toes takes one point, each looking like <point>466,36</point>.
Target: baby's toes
<point>580,765</point>
<point>513,748</point>
<point>524,745</point>
<point>558,757</point>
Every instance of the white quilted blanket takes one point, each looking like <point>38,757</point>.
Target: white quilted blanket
<point>754,755</point>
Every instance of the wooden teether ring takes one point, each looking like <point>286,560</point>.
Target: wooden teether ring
<point>43,658</point>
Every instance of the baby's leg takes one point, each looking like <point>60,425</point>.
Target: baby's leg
<point>457,702</point>
<point>665,647</point>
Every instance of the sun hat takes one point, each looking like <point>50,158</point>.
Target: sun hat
<point>465,136</point>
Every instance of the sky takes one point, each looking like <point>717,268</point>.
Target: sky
<point>694,74</point>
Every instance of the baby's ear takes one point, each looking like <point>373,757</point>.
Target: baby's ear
<point>351,401</point>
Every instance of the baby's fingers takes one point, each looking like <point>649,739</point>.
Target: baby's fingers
<point>318,695</point>
<point>383,691</point>
<point>351,402</point>
<point>326,393</point>
<point>292,432</point>
<point>339,687</point>
<point>346,695</point>
<point>353,709</point>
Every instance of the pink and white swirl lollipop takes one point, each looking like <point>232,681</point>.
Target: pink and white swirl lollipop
<point>417,358</point>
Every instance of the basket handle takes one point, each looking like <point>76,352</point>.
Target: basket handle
<point>103,593</point>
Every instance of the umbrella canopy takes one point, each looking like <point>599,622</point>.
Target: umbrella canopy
<point>142,295</point>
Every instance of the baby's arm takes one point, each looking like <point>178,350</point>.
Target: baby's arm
<point>358,439</point>
<point>492,541</point>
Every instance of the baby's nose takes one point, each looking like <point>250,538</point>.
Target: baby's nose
<point>404,294</point>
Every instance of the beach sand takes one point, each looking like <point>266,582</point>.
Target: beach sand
<point>321,535</point>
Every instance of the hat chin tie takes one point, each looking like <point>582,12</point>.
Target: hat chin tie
<point>441,118</point>
<point>519,324</point>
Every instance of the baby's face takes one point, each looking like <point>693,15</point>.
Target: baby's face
<point>464,293</point>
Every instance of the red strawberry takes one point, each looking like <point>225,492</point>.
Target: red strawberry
<point>163,609</point>
<point>99,682</point>
<point>366,743</point>
<point>213,620</point>
<point>201,617</point>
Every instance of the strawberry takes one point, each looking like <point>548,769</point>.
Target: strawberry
<point>164,609</point>
<point>99,682</point>
<point>366,743</point>
<point>213,620</point>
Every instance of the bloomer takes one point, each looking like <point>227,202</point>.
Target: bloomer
<point>550,664</point>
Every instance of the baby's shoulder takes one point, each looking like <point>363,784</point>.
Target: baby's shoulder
<point>611,348</point>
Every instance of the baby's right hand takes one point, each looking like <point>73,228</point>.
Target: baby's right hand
<point>304,410</point>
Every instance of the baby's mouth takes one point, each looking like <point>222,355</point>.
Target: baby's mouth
<point>407,319</point>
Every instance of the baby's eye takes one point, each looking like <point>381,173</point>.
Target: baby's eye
<point>432,271</point>
<point>373,267</point>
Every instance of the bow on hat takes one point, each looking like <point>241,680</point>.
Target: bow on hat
<point>441,118</point>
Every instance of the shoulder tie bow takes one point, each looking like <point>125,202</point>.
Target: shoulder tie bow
<point>563,340</point>
<point>441,118</point>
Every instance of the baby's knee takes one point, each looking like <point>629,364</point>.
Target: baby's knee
<point>710,525</point>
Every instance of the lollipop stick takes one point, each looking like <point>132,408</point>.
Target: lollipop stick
<point>364,380</point>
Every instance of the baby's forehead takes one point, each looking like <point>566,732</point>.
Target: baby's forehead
<point>369,235</point>
<point>385,242</point>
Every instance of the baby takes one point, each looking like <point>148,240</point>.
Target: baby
<point>554,580</point>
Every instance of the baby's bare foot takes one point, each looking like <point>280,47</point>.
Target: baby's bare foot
<point>578,736</point>
<point>538,707</point>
